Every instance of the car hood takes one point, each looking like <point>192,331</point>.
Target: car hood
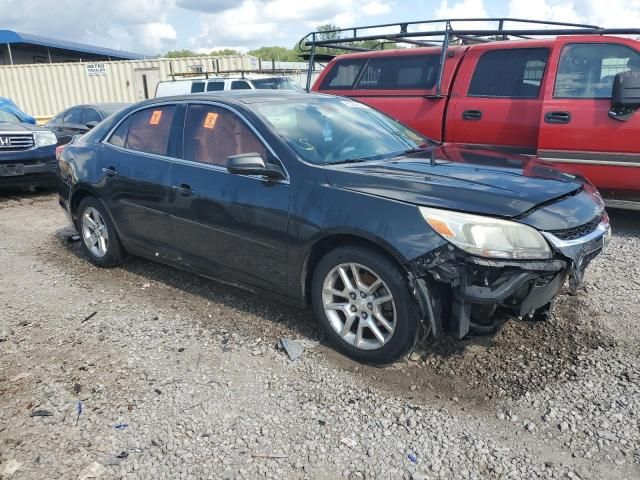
<point>460,178</point>
<point>19,127</point>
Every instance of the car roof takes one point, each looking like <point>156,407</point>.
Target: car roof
<point>223,76</point>
<point>103,105</point>
<point>239,96</point>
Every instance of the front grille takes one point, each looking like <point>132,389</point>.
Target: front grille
<point>16,141</point>
<point>577,232</point>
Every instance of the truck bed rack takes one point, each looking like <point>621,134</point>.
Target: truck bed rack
<point>442,35</point>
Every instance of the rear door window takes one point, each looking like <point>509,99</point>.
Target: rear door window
<point>509,73</point>
<point>240,85</point>
<point>400,72</point>
<point>343,74</point>
<point>74,115</point>
<point>587,70</point>
<point>212,134</point>
<point>119,136</point>
<point>149,130</point>
<point>215,86</point>
<point>197,87</point>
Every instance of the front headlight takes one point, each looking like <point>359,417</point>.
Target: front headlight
<point>45,138</point>
<point>486,236</point>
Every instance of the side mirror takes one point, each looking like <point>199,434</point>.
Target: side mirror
<point>90,125</point>
<point>625,95</point>
<point>252,164</point>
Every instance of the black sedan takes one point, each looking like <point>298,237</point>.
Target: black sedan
<point>323,201</point>
<point>27,154</point>
<point>80,119</point>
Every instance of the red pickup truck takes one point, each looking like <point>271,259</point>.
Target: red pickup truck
<point>550,97</point>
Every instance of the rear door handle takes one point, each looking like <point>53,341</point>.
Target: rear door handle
<point>472,115</point>
<point>557,118</point>
<point>184,189</point>
<point>110,171</point>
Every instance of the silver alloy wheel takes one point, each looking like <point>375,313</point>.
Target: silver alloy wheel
<point>94,232</point>
<point>359,306</point>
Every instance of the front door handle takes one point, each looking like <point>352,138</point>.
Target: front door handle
<point>557,118</point>
<point>110,171</point>
<point>472,115</point>
<point>184,189</point>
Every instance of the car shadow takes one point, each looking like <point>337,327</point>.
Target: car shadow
<point>289,320</point>
<point>446,365</point>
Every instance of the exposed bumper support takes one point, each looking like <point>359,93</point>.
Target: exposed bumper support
<point>522,287</point>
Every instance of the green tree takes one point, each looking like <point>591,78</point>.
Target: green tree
<point>281,54</point>
<point>327,32</point>
<point>224,51</point>
<point>180,53</point>
<point>191,53</point>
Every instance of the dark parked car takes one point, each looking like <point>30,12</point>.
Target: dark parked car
<point>27,154</point>
<point>327,202</point>
<point>80,119</point>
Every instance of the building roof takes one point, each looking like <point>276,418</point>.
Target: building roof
<point>9,36</point>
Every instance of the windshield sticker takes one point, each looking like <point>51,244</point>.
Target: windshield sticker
<point>352,104</point>
<point>155,117</point>
<point>210,120</point>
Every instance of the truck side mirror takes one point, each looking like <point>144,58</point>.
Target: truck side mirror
<point>625,95</point>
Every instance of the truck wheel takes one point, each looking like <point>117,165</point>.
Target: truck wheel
<point>99,238</point>
<point>363,302</point>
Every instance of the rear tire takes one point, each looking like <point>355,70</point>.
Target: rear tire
<point>363,301</point>
<point>98,235</point>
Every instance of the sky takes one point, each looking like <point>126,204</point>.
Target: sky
<point>156,26</point>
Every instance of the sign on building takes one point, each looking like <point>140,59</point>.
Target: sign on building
<point>96,69</point>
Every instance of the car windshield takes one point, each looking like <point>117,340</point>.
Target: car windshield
<point>8,117</point>
<point>338,130</point>
<point>275,83</point>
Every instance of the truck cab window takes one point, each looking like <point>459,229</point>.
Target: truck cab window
<point>587,70</point>
<point>240,85</point>
<point>509,73</point>
<point>215,86</point>
<point>401,72</point>
<point>343,74</point>
<point>197,87</point>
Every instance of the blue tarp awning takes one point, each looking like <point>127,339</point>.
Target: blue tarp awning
<point>9,36</point>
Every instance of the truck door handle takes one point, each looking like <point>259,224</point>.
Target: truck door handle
<point>184,189</point>
<point>557,117</point>
<point>472,115</point>
<point>110,171</point>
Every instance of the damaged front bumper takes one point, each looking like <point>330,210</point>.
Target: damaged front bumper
<point>478,285</point>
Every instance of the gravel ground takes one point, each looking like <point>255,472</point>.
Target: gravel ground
<point>180,377</point>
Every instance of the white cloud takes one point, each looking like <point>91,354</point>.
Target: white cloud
<point>139,26</point>
<point>276,22</point>
<point>153,34</point>
<point>605,13</point>
<point>375,8</point>
<point>461,9</point>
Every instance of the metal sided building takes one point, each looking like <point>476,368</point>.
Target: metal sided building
<point>43,90</point>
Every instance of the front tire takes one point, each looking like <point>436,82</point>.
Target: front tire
<point>363,301</point>
<point>98,235</point>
